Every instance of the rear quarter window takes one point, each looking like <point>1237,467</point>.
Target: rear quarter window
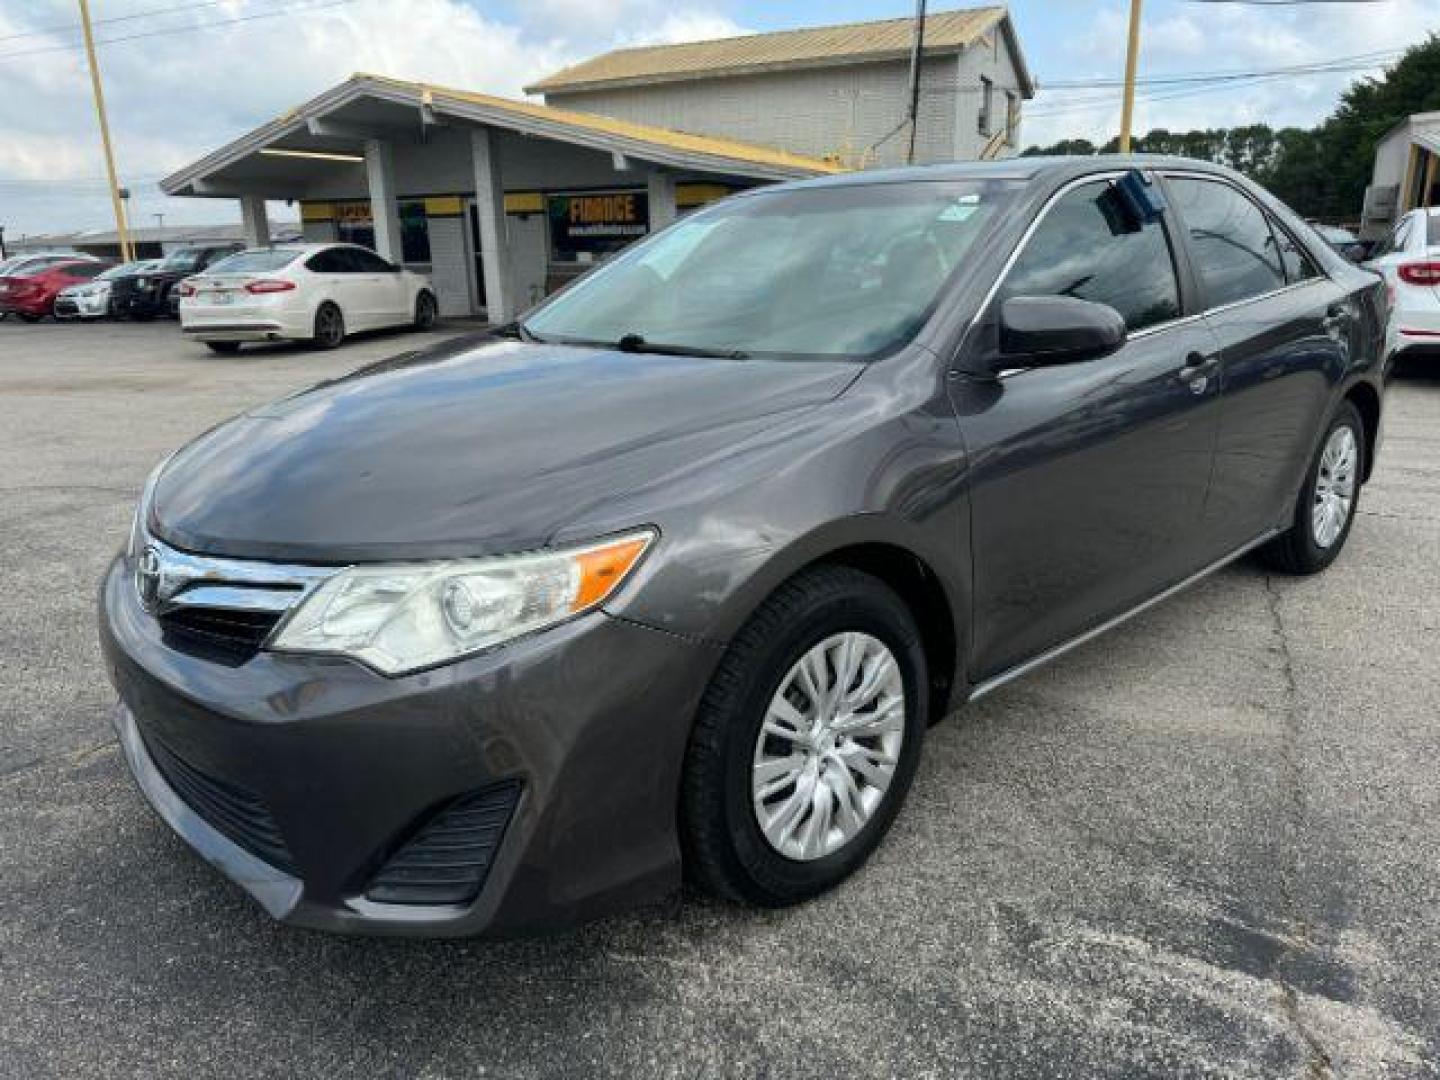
<point>1236,253</point>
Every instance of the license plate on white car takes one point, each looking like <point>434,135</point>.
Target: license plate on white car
<point>222,298</point>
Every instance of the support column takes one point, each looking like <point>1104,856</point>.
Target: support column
<point>384,213</point>
<point>661,189</point>
<point>494,240</point>
<point>254,222</point>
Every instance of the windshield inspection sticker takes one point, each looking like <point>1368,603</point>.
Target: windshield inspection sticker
<point>961,208</point>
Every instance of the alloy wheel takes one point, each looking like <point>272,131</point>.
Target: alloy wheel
<point>829,746</point>
<point>329,327</point>
<point>1334,486</point>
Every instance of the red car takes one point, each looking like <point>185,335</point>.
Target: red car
<point>32,296</point>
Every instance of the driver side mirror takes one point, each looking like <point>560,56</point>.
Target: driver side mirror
<point>1040,331</point>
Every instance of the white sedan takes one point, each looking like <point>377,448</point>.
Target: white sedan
<point>1409,260</point>
<point>301,292</point>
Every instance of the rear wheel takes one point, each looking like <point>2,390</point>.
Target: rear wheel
<point>425,311</point>
<point>224,348</point>
<point>1328,500</point>
<point>329,327</point>
<point>25,316</point>
<point>806,741</point>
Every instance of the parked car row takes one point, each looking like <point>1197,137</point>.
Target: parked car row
<point>225,296</point>
<point>1409,261</point>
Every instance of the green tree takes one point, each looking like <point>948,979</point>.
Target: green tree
<point>1321,172</point>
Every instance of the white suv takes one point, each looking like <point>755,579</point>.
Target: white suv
<point>1409,260</point>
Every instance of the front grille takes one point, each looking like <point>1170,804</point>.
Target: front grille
<point>447,859</point>
<point>235,811</point>
<point>228,635</point>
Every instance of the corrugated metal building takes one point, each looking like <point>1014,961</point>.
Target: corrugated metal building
<point>1406,174</point>
<point>839,93</point>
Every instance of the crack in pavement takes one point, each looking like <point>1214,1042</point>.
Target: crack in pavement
<point>1318,1064</point>
<point>71,757</point>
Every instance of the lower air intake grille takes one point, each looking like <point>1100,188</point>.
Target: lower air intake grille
<point>446,861</point>
<point>235,811</point>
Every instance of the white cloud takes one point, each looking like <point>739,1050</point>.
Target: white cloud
<point>1223,37</point>
<point>176,96</point>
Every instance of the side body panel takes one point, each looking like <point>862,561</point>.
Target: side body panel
<point>1087,484</point>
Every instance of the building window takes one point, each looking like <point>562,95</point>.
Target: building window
<point>354,225</point>
<point>987,104</point>
<point>587,226</point>
<point>1012,118</point>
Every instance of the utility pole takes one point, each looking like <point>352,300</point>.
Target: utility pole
<point>120,228</point>
<point>1132,56</point>
<point>916,55</point>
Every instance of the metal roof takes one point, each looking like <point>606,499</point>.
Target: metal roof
<point>168,234</point>
<point>945,31</point>
<point>654,144</point>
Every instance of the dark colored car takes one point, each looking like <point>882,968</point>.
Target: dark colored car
<point>674,574</point>
<point>31,294</point>
<point>148,293</point>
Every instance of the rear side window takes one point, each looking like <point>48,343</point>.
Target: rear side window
<point>1236,254</point>
<point>329,261</point>
<point>367,262</point>
<point>254,262</point>
<point>1089,247</point>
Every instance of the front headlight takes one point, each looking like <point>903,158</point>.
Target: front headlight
<point>401,617</point>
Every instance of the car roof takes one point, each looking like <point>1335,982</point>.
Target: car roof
<point>1014,168</point>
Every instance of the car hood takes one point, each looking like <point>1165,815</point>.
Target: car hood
<point>468,448</point>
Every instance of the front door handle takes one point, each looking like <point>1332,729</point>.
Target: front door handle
<point>1197,371</point>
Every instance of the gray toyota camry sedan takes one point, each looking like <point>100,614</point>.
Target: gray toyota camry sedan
<point>669,578</point>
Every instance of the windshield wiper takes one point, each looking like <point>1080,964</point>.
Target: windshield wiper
<point>637,344</point>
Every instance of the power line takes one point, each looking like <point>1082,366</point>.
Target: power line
<point>180,29</point>
<point>1217,76</point>
<point>1108,101</point>
<point>67,28</point>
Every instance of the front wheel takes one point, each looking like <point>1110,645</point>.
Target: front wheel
<point>1329,496</point>
<point>426,311</point>
<point>806,741</point>
<point>329,327</point>
<point>25,316</point>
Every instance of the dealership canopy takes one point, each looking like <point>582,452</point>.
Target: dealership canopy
<point>412,165</point>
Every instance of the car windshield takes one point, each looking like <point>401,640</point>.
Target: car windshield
<point>262,260</point>
<point>847,271</point>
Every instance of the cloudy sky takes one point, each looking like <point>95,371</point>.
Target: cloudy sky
<point>182,78</point>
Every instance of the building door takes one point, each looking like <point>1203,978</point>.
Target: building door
<point>476,258</point>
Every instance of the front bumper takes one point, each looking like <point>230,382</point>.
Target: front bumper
<point>590,720</point>
<point>82,307</point>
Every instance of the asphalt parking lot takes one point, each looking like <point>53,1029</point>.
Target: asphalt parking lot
<point>1206,844</point>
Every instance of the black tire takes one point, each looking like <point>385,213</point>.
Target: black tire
<point>329,327</point>
<point>426,311</point>
<point>725,851</point>
<point>1297,551</point>
<point>25,316</point>
<point>224,348</point>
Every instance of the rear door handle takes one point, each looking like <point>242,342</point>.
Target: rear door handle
<point>1198,369</point>
<point>1336,320</point>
